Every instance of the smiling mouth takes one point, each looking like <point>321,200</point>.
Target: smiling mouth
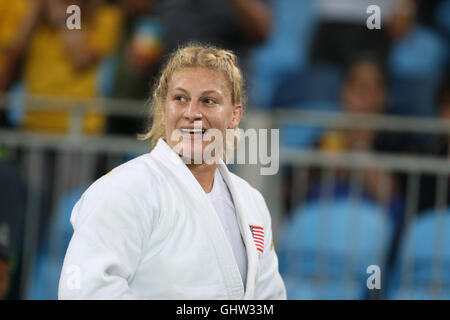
<point>193,131</point>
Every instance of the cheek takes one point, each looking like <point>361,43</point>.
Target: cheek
<point>227,121</point>
<point>169,115</point>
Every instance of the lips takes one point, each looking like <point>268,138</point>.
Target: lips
<point>193,131</point>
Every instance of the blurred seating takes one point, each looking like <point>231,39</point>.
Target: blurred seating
<point>441,16</point>
<point>413,96</point>
<point>302,136</point>
<point>286,51</point>
<point>414,275</point>
<point>320,83</point>
<point>342,31</point>
<point>419,53</point>
<point>416,63</point>
<point>44,281</point>
<point>315,88</point>
<point>327,247</point>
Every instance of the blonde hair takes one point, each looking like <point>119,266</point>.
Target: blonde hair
<point>193,55</point>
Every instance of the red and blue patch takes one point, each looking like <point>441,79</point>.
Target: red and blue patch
<point>258,237</point>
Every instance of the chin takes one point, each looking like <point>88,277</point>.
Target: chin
<point>193,153</point>
<point>190,151</point>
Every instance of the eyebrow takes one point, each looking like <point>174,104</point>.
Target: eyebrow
<point>203,93</point>
<point>181,89</point>
<point>211,91</point>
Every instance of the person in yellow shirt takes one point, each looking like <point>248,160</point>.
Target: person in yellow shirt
<point>12,14</point>
<point>363,91</point>
<point>64,63</point>
<point>12,17</point>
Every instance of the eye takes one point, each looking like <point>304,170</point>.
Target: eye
<point>209,101</point>
<point>180,98</point>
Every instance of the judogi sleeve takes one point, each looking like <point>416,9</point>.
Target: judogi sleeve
<point>110,227</point>
<point>269,284</point>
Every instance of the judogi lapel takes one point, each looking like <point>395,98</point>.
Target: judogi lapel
<point>212,225</point>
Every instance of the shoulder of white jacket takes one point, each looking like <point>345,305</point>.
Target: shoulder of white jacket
<point>128,183</point>
<point>134,176</point>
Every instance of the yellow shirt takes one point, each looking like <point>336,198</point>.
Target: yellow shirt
<point>49,71</point>
<point>332,142</point>
<point>11,15</point>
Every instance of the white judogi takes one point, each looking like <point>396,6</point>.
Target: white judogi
<point>147,231</point>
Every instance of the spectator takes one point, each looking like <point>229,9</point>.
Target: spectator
<point>233,24</point>
<point>417,50</point>
<point>416,60</point>
<point>137,59</point>
<point>139,51</point>
<point>365,92</point>
<point>64,63</point>
<point>15,27</point>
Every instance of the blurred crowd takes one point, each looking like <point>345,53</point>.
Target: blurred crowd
<point>116,53</point>
<point>293,53</point>
<point>296,54</point>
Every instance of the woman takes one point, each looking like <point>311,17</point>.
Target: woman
<point>162,226</point>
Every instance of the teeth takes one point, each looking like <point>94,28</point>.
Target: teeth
<point>192,130</point>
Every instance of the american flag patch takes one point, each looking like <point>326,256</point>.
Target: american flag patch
<point>258,237</point>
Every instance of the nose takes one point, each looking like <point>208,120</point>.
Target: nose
<point>192,111</point>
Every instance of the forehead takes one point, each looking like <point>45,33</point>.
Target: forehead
<point>198,79</point>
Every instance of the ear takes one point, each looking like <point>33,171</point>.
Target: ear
<point>236,117</point>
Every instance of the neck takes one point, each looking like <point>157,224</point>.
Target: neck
<point>204,173</point>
